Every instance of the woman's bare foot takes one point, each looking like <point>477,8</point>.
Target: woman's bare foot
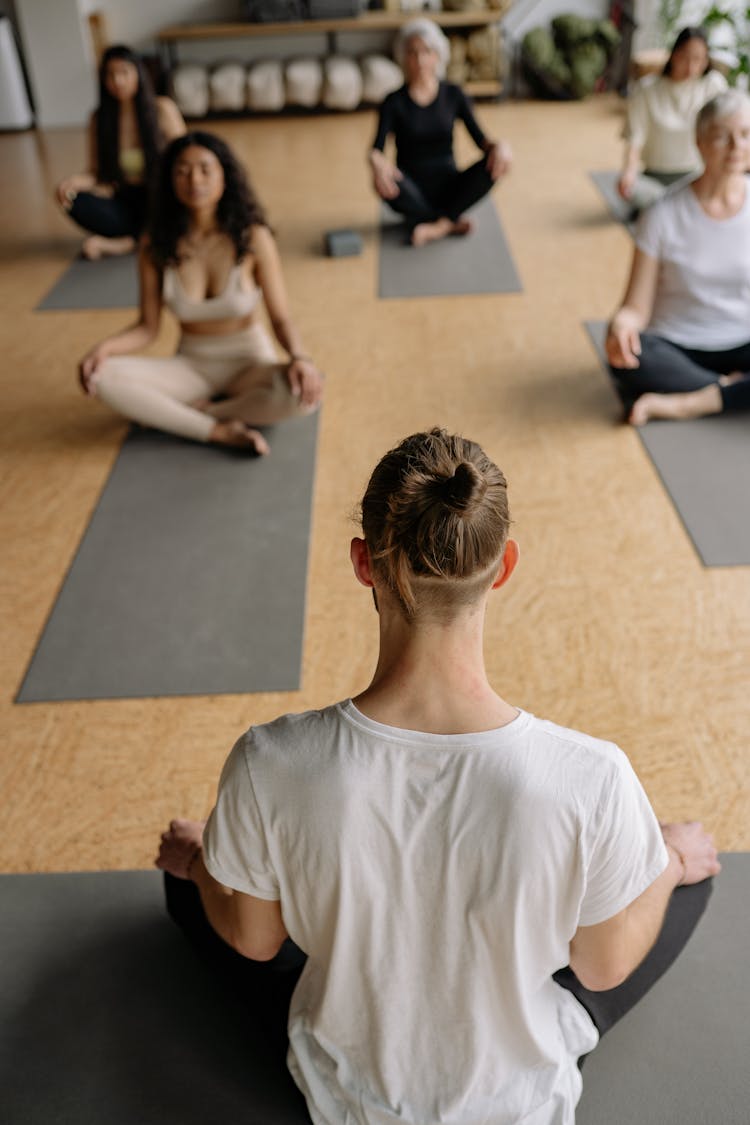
<point>732,377</point>
<point>441,228</point>
<point>677,407</point>
<point>96,246</point>
<point>239,435</point>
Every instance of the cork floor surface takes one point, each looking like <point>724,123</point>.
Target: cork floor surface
<point>611,624</point>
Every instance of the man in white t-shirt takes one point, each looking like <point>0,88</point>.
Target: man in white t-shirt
<point>441,858</point>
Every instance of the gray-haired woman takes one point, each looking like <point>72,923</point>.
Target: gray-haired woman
<point>424,185</point>
<point>684,323</point>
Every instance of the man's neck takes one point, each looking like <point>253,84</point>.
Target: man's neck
<point>431,677</point>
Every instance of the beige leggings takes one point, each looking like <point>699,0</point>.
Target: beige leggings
<point>158,392</point>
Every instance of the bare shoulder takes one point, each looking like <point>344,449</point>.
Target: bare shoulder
<point>261,238</point>
<point>171,121</point>
<point>263,246</point>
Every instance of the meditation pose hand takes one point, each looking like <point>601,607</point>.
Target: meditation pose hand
<point>179,846</point>
<point>695,848</point>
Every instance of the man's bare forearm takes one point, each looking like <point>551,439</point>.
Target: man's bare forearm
<point>216,899</point>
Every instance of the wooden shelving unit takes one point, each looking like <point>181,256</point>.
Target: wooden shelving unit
<point>170,37</point>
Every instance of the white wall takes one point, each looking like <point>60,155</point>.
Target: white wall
<point>137,22</point>
<point>59,59</point>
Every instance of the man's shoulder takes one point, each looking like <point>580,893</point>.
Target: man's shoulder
<point>574,743</point>
<point>289,731</point>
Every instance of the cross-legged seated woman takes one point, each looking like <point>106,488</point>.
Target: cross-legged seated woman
<point>424,185</point>
<point>211,258</point>
<point>660,130</point>
<point>126,135</point>
<point>684,324</point>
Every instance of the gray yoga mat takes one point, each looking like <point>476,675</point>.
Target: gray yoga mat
<point>190,579</point>
<point>606,182</point>
<point>479,263</point>
<point>681,1056</point>
<point>704,464</point>
<point>108,1016</point>
<point>109,283</point>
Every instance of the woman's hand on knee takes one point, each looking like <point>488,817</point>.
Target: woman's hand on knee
<point>623,344</point>
<point>385,176</point>
<point>305,381</point>
<point>499,159</point>
<point>68,188</point>
<point>89,367</point>
<point>626,184</point>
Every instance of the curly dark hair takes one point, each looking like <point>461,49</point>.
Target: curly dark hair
<point>237,211</point>
<point>108,120</point>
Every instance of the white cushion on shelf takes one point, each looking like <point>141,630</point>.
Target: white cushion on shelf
<point>265,86</point>
<point>227,87</point>
<point>304,82</point>
<point>190,89</point>
<point>380,76</point>
<point>343,84</point>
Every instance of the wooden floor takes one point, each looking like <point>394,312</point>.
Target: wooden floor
<point>611,624</point>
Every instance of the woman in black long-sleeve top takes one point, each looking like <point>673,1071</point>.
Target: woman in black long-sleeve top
<point>424,185</point>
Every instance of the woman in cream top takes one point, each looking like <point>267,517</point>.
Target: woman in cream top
<point>660,130</point>
<point>211,258</point>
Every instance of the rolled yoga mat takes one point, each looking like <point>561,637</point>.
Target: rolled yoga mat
<point>704,464</point>
<point>190,578</point>
<point>480,262</point>
<point>108,283</point>
<point>109,1017</point>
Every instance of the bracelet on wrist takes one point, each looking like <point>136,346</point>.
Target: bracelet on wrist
<point>300,355</point>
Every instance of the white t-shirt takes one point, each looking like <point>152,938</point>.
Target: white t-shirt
<point>661,120</point>
<point>703,287</point>
<point>435,882</point>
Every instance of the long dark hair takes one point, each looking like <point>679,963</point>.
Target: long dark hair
<point>108,120</point>
<point>684,37</point>
<point>236,212</point>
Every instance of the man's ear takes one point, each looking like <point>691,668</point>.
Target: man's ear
<point>360,557</point>
<point>508,565</point>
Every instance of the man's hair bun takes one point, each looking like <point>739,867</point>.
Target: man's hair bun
<point>436,507</point>
<point>464,490</point>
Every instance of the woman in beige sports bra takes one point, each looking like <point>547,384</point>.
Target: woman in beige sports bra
<point>210,257</point>
<point>127,133</point>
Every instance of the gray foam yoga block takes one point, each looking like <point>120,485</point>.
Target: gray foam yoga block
<point>343,243</point>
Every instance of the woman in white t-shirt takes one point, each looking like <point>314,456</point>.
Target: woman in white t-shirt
<point>684,323</point>
<point>440,855</point>
<point>660,129</point>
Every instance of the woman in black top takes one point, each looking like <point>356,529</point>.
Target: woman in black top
<point>425,185</point>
